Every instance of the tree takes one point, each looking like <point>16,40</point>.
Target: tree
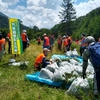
<point>35,29</point>
<point>67,14</point>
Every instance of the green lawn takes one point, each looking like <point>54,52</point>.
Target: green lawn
<point>13,86</point>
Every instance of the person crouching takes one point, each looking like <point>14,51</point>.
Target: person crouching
<point>41,61</point>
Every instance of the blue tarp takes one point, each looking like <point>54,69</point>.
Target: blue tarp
<point>35,77</point>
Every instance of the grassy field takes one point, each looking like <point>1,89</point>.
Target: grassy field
<point>13,86</point>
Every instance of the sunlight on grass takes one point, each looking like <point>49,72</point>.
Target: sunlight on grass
<point>13,86</point>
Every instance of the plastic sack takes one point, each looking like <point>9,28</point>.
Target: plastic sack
<point>45,73</point>
<point>74,52</point>
<point>74,62</point>
<point>52,67</point>
<point>12,60</point>
<point>77,84</point>
<point>59,75</point>
<point>55,59</point>
<point>66,69</point>
<point>69,53</point>
<point>64,63</point>
<point>78,69</point>
<point>14,63</point>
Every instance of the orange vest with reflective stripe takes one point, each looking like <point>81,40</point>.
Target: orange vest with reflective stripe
<point>39,60</point>
<point>23,35</point>
<point>1,42</point>
<point>47,43</point>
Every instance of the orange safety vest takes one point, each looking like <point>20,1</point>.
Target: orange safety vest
<point>65,42</point>
<point>60,41</point>
<point>23,35</point>
<point>47,43</point>
<point>9,35</point>
<point>4,42</point>
<point>1,42</point>
<point>38,60</point>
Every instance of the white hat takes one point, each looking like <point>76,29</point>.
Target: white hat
<point>24,31</point>
<point>44,34</point>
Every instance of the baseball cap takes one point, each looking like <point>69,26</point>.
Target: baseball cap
<point>46,49</point>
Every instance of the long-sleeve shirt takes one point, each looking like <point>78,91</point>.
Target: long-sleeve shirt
<point>86,56</point>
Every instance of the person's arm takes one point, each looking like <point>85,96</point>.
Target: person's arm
<point>45,61</point>
<point>85,57</point>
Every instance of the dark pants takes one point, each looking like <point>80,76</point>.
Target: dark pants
<point>98,80</point>
<point>82,50</point>
<point>39,43</point>
<point>68,49</point>
<point>59,47</point>
<point>24,45</point>
<point>42,65</point>
<point>9,47</point>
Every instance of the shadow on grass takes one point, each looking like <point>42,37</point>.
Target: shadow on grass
<point>4,64</point>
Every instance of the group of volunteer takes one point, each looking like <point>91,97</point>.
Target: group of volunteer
<point>89,50</point>
<point>25,42</point>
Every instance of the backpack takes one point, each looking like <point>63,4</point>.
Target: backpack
<point>95,54</point>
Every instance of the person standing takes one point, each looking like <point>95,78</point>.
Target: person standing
<point>82,44</point>
<point>24,39</point>
<point>69,41</point>
<point>91,52</point>
<point>39,40</point>
<point>51,38</point>
<point>9,43</point>
<point>46,41</point>
<point>1,46</point>
<point>59,41</point>
<point>65,44</point>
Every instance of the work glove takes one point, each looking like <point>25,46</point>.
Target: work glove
<point>84,75</point>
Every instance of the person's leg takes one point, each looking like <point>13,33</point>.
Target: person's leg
<point>24,45</point>
<point>9,47</point>
<point>96,85</point>
<point>95,91</point>
<point>58,47</point>
<point>80,51</point>
<point>98,80</point>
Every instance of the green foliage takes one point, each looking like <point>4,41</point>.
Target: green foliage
<point>88,24</point>
<point>75,46</point>
<point>4,32</point>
